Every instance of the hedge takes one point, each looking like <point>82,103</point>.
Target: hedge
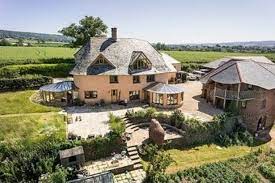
<point>52,70</point>
<point>36,61</point>
<point>25,82</point>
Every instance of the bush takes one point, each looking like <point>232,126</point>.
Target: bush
<point>268,171</point>
<point>177,118</point>
<point>117,125</point>
<point>25,82</point>
<point>251,178</point>
<point>26,163</point>
<point>101,147</point>
<point>52,70</point>
<point>36,61</point>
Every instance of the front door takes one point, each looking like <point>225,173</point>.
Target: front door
<point>114,96</point>
<point>147,97</point>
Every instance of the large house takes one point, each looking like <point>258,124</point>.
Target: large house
<point>245,84</point>
<point>114,69</point>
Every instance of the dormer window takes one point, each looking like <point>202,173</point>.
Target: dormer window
<point>139,62</point>
<point>101,61</point>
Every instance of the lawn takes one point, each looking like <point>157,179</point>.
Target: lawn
<point>200,155</point>
<point>200,57</point>
<point>31,127</point>
<point>23,53</point>
<point>19,103</point>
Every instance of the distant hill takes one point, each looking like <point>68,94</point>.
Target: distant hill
<point>251,43</point>
<point>34,36</point>
<point>241,43</point>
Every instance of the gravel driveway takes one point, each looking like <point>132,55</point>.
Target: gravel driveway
<point>194,105</point>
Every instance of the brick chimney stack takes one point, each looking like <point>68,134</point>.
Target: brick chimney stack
<point>114,33</point>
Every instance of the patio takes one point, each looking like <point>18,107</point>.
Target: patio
<point>93,121</point>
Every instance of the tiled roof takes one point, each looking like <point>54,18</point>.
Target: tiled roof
<point>215,64</point>
<point>248,71</point>
<point>165,88</point>
<point>119,54</point>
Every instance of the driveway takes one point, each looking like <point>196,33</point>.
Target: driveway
<point>194,105</point>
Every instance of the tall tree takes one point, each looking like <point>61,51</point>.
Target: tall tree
<point>88,27</point>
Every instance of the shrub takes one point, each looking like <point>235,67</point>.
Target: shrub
<point>101,147</point>
<point>177,118</point>
<point>53,70</point>
<point>155,172</point>
<point>36,61</point>
<point>150,112</point>
<point>24,82</point>
<point>117,125</point>
<point>251,178</point>
<point>268,171</point>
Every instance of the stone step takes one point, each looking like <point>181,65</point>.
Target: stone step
<point>137,161</point>
<point>134,157</point>
<point>131,153</point>
<point>133,126</point>
<point>138,166</point>
<point>132,148</point>
<point>136,128</point>
<point>128,125</point>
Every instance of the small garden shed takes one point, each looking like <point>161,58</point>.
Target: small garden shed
<point>72,157</point>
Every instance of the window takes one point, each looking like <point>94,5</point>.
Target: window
<point>100,61</point>
<point>90,94</point>
<point>72,159</point>
<point>150,78</point>
<point>158,98</point>
<point>244,104</point>
<point>263,104</point>
<point>172,99</point>
<point>182,96</point>
<point>134,95</point>
<point>136,79</point>
<point>140,64</point>
<point>113,79</point>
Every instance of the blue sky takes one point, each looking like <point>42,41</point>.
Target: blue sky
<point>173,21</point>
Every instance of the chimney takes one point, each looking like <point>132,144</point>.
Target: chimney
<point>114,34</point>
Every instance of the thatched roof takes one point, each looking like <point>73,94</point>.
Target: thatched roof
<point>119,53</point>
<point>248,71</point>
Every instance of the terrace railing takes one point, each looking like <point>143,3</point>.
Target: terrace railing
<point>233,95</point>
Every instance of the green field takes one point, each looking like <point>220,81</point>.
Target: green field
<point>31,127</point>
<point>204,57</point>
<point>20,103</point>
<point>200,155</point>
<point>20,118</point>
<point>24,53</point>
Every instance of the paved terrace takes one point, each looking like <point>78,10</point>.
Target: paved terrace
<point>87,120</point>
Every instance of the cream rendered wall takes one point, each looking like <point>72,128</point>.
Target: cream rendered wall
<point>101,84</point>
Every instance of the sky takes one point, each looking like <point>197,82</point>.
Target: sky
<point>167,21</point>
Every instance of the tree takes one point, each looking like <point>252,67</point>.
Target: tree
<point>159,161</point>
<point>20,42</point>
<point>4,42</point>
<point>88,27</point>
